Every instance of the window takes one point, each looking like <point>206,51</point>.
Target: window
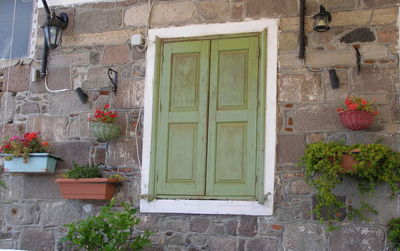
<point>207,151</point>
<point>16,28</point>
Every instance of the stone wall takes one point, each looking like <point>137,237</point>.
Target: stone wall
<point>32,212</point>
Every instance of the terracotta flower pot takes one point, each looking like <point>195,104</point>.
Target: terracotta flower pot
<point>91,188</point>
<point>356,120</point>
<point>348,162</point>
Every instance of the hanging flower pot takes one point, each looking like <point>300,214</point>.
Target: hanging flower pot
<point>104,124</point>
<point>356,120</point>
<point>89,188</point>
<point>358,115</point>
<point>105,131</point>
<point>37,163</point>
<point>348,161</point>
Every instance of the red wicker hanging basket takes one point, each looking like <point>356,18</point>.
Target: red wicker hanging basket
<point>356,120</point>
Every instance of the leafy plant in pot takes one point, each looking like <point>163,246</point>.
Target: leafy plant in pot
<point>103,124</point>
<point>85,182</point>
<point>110,230</point>
<point>374,164</point>
<point>27,154</point>
<point>358,113</point>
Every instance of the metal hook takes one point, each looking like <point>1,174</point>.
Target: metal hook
<point>113,79</point>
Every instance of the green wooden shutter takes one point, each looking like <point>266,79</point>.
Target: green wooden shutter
<point>231,161</point>
<point>181,132</point>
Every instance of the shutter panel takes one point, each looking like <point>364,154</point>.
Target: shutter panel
<point>231,163</point>
<point>181,135</point>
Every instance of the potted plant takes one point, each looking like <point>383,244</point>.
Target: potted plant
<point>372,164</point>
<point>27,154</point>
<point>358,113</point>
<point>109,230</point>
<point>104,124</point>
<point>394,232</point>
<point>85,182</point>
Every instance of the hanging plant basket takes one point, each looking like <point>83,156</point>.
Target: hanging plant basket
<point>37,163</point>
<point>88,188</point>
<point>105,131</point>
<point>356,120</point>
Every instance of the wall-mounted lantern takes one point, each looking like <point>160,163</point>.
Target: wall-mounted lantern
<point>53,28</point>
<point>322,20</point>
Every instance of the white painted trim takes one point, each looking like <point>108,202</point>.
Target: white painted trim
<point>214,206</point>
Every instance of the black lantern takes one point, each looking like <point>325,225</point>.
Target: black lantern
<point>53,28</point>
<point>321,20</point>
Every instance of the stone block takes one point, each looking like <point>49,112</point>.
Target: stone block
<point>21,213</point>
<point>100,38</point>
<point>380,3</point>
<point>221,243</point>
<point>247,226</point>
<point>261,244</point>
<point>132,94</point>
<point>40,187</point>
<point>7,107</point>
<point>122,153</point>
<point>67,59</point>
<point>117,54</point>
<point>214,10</point>
<point>29,108</point>
<point>178,224</point>
<point>357,239</point>
<point>196,239</point>
<point>95,20</point>
<point>304,236</point>
<point>17,78</point>
<point>299,187</point>
<point>286,60</point>
<point>70,103</point>
<point>166,13</point>
<point>231,227</point>
<point>54,213</point>
<point>8,244</point>
<point>136,15</point>
<point>72,151</point>
<point>300,87</point>
<point>58,77</point>
<point>288,41</point>
<point>290,148</point>
<point>384,16</point>
<point>150,222</point>
<point>338,94</point>
<point>50,128</point>
<point>321,38</point>
<point>271,8</point>
<point>176,240</point>
<point>374,51</point>
<point>355,18</point>
<point>316,118</point>
<point>330,58</point>
<point>236,11</point>
<point>13,129</point>
<point>388,35</point>
<point>289,24</point>
<point>36,239</point>
<point>199,224</point>
<point>313,5</point>
<point>376,79</point>
<point>13,192</point>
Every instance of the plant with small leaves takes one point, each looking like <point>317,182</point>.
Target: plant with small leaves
<point>394,232</point>
<point>104,115</point>
<point>83,171</point>
<point>110,230</point>
<point>323,170</point>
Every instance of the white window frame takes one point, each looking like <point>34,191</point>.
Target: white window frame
<point>214,206</point>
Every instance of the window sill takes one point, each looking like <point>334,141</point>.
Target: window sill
<point>227,207</point>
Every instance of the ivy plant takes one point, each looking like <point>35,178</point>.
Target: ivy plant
<point>323,170</point>
<point>394,232</point>
<point>110,230</point>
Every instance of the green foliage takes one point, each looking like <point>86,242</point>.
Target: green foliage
<point>394,232</point>
<point>84,171</point>
<point>376,164</point>
<point>111,230</point>
<point>2,184</point>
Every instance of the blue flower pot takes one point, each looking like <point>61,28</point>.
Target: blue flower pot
<point>37,163</point>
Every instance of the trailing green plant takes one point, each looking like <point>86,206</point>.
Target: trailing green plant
<point>82,171</point>
<point>323,170</point>
<point>2,184</point>
<point>110,230</point>
<point>394,232</point>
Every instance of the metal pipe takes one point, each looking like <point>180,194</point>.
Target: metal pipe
<point>46,7</point>
<point>302,38</point>
<point>43,71</point>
